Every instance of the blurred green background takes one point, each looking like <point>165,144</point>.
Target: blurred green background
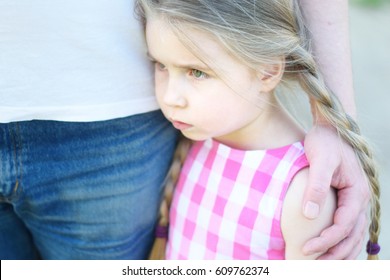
<point>370,2</point>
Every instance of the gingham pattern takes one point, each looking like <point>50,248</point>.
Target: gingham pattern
<point>227,203</point>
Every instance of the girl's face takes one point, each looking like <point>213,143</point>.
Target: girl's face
<point>198,102</point>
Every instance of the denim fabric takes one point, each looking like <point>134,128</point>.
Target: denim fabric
<point>82,190</point>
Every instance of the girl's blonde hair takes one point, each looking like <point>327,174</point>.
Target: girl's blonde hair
<point>258,33</point>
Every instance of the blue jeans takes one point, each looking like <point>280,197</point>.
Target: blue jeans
<point>82,190</point>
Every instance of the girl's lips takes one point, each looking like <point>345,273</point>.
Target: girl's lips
<point>180,125</point>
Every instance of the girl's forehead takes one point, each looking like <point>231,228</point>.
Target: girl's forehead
<point>200,42</point>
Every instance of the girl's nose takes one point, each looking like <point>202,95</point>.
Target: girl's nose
<point>174,95</point>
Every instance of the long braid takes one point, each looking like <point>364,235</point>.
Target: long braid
<point>327,105</point>
<point>158,249</point>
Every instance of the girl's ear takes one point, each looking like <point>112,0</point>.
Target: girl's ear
<point>271,74</point>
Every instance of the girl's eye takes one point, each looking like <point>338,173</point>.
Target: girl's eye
<point>160,66</point>
<point>198,74</point>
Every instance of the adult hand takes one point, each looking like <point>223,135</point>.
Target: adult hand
<point>334,163</point>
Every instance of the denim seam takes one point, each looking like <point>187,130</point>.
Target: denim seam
<point>17,162</point>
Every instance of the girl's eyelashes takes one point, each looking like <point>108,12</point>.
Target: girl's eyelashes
<point>159,66</point>
<point>198,74</point>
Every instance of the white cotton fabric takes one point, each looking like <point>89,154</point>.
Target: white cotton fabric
<point>72,60</point>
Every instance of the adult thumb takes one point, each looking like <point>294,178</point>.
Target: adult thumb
<point>317,189</point>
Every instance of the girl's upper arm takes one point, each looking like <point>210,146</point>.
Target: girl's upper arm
<point>296,228</point>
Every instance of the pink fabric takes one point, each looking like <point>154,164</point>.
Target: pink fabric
<point>227,203</point>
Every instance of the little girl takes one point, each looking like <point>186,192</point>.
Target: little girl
<point>239,191</point>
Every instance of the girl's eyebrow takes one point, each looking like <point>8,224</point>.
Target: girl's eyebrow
<point>198,66</point>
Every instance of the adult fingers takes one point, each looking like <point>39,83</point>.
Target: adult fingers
<point>351,246</point>
<point>345,219</point>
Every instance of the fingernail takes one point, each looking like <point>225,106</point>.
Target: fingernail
<point>311,210</point>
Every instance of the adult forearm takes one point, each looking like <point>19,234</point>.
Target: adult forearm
<point>328,22</point>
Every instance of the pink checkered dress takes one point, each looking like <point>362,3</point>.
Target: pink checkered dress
<point>227,204</point>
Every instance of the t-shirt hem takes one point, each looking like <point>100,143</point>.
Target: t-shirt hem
<point>88,113</point>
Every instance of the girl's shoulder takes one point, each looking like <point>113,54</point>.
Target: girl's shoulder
<point>296,228</point>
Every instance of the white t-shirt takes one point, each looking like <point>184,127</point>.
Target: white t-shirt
<point>72,60</point>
